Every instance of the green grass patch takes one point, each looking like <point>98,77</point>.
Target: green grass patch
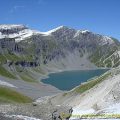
<point>6,73</point>
<point>86,86</point>
<point>8,56</point>
<point>108,63</point>
<point>8,95</point>
<point>27,78</point>
<point>26,75</point>
<point>12,57</point>
<point>39,70</point>
<point>2,59</point>
<point>98,54</point>
<point>64,94</point>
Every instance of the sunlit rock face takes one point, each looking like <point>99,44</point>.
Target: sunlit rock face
<point>60,45</point>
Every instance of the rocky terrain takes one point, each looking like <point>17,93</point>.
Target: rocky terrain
<point>35,111</point>
<point>27,55</point>
<point>63,48</point>
<point>99,96</point>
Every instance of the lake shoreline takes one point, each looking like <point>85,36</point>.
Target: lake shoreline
<point>39,89</point>
<point>67,70</point>
<point>62,71</point>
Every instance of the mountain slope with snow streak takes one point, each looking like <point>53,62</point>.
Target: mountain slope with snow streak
<point>62,48</point>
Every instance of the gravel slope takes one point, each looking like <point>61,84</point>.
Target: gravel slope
<point>33,90</point>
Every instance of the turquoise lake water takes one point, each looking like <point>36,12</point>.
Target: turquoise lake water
<point>70,79</point>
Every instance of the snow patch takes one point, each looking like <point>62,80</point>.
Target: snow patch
<point>113,109</point>
<point>11,26</point>
<point>106,40</point>
<point>77,112</point>
<point>84,31</point>
<point>54,30</point>
<point>81,32</point>
<point>22,117</point>
<point>6,84</point>
<point>21,35</point>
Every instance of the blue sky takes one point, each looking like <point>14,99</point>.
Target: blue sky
<point>100,16</point>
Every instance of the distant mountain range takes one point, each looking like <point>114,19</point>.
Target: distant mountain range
<point>63,48</point>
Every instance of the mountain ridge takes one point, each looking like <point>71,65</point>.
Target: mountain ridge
<point>22,27</point>
<point>62,48</point>
<point>27,56</point>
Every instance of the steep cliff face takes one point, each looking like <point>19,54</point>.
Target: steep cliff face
<point>60,48</point>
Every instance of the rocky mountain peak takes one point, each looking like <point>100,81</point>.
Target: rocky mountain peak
<point>10,29</point>
<point>12,26</point>
<point>61,29</point>
<point>18,32</point>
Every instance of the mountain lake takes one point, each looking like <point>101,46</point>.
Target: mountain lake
<point>67,80</point>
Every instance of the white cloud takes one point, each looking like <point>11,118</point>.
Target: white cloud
<point>16,7</point>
